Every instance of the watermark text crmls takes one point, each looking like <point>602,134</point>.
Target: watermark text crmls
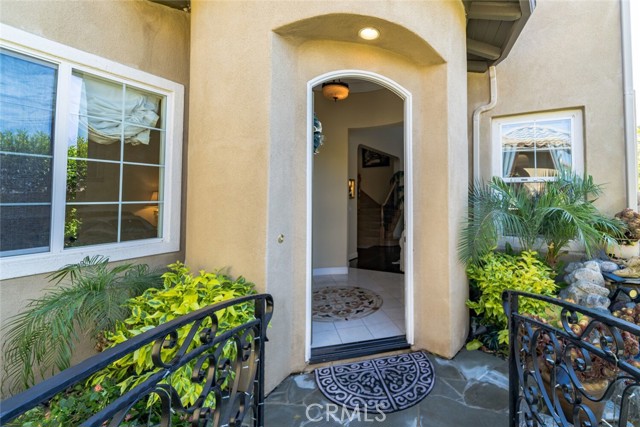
<point>317,412</point>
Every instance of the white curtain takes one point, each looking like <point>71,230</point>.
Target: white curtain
<point>99,107</point>
<point>561,158</point>
<point>508,157</point>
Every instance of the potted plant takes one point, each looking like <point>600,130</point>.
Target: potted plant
<point>627,246</point>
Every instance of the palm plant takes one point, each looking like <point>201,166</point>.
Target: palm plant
<point>44,334</point>
<point>561,211</point>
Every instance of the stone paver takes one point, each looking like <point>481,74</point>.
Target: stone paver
<point>470,390</point>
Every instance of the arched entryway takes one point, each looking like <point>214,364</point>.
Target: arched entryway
<point>405,99</point>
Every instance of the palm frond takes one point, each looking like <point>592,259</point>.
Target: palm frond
<point>91,300</point>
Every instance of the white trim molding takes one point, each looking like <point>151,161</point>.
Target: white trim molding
<point>406,96</point>
<point>330,271</point>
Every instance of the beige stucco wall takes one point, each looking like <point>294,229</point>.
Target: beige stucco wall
<point>248,148</point>
<point>136,33</point>
<point>566,57</point>
<point>331,204</point>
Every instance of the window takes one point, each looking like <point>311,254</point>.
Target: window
<point>90,161</point>
<point>530,149</point>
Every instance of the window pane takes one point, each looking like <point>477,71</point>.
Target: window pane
<point>536,149</point>
<point>139,221</point>
<point>80,144</point>
<point>89,181</point>
<point>146,153</point>
<point>25,229</point>
<point>91,225</point>
<point>25,179</point>
<point>27,102</point>
<point>140,183</point>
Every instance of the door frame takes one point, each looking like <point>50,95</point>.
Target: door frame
<point>405,95</point>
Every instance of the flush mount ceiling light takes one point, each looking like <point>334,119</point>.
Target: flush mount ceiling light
<point>369,33</point>
<point>335,90</point>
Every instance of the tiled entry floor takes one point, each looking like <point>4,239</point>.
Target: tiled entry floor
<point>388,321</point>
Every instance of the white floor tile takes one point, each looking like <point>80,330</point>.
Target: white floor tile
<point>342,324</point>
<point>322,327</point>
<point>385,330</point>
<point>386,322</point>
<point>359,333</point>
<point>323,339</point>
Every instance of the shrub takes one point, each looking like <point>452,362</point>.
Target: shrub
<point>86,297</point>
<point>497,272</point>
<point>182,294</point>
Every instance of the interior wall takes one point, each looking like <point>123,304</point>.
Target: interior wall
<point>564,59</point>
<point>139,34</point>
<point>332,208</point>
<point>388,139</point>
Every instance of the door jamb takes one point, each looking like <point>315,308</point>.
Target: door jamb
<point>405,95</point>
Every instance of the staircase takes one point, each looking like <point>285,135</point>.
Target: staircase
<point>376,225</point>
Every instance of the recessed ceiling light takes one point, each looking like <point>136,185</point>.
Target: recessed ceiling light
<point>369,33</point>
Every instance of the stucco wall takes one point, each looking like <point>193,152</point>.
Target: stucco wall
<point>248,148</point>
<point>136,33</point>
<point>566,57</point>
<point>331,203</point>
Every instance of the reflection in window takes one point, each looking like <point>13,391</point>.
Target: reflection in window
<point>114,162</point>
<point>534,147</point>
<point>27,105</point>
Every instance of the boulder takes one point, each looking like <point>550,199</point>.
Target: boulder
<point>590,288</point>
<point>587,275</point>
<point>592,265</point>
<point>573,266</point>
<point>608,266</point>
<point>596,301</point>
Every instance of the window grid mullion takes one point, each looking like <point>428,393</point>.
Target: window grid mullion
<point>61,135</point>
<point>120,189</point>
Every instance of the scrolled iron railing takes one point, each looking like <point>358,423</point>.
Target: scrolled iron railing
<point>563,372</point>
<point>232,392</point>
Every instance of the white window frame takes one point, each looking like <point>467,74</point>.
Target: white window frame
<point>68,59</point>
<point>577,140</point>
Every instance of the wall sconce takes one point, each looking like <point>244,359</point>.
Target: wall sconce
<point>335,90</point>
<point>352,188</point>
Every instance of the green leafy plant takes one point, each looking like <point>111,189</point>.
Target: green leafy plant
<point>561,211</point>
<point>182,294</point>
<point>87,297</point>
<point>497,272</point>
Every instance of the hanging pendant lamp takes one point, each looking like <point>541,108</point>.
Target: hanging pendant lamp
<point>335,90</point>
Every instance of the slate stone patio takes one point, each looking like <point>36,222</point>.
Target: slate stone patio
<point>470,390</point>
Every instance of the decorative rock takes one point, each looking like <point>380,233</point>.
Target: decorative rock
<point>608,266</point>
<point>590,288</point>
<point>588,275</point>
<point>572,266</point>
<point>596,301</point>
<point>592,265</point>
<point>568,278</point>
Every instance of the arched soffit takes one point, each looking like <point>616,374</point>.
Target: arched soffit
<point>344,27</point>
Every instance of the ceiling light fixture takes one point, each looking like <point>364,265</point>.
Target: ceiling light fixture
<point>335,90</point>
<point>369,33</point>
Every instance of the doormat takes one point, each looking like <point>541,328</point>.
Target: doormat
<point>387,384</point>
<point>333,303</point>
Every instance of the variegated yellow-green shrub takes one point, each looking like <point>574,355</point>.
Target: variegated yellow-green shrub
<point>497,272</point>
<point>182,294</point>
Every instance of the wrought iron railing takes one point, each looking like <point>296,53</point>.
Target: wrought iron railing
<point>233,387</point>
<point>566,365</point>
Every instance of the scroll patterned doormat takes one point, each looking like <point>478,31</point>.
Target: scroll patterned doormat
<point>333,303</point>
<point>387,384</point>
